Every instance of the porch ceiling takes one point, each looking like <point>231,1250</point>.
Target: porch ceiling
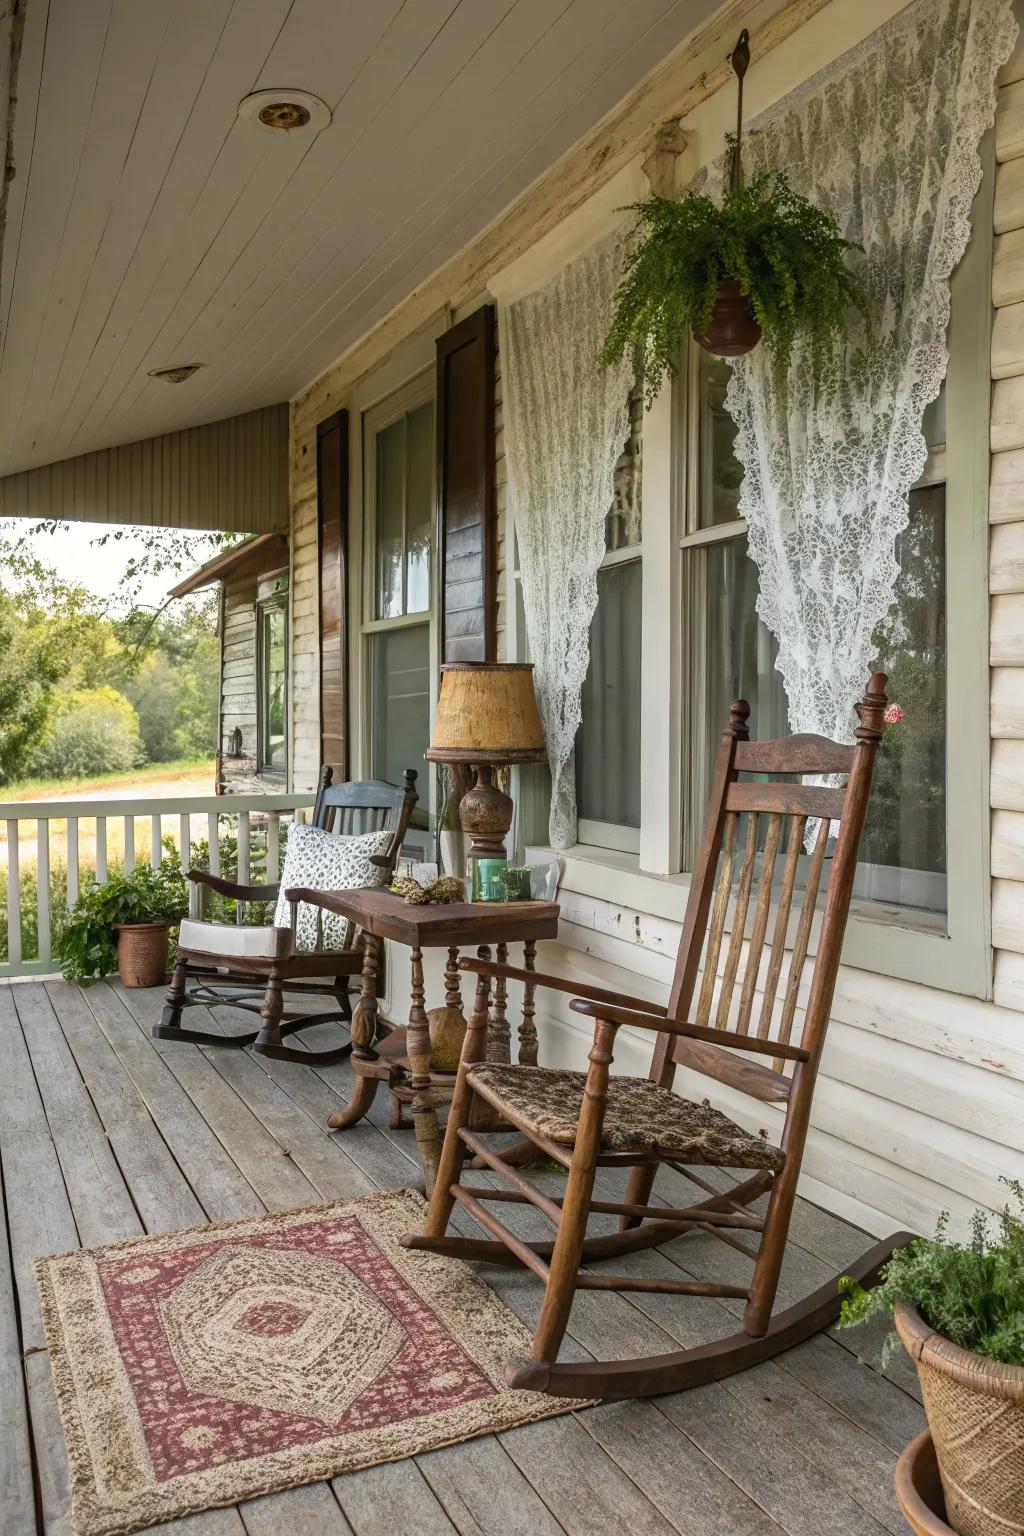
<point>147,226</point>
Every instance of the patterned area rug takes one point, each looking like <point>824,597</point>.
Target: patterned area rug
<point>198,1368</point>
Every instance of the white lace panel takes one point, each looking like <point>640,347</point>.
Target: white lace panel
<point>888,142</point>
<point>566,419</point>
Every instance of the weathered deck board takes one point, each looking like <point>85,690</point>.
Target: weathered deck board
<point>105,1132</point>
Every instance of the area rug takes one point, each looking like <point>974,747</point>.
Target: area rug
<point>198,1368</point>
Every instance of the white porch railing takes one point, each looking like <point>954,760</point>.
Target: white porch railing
<point>76,841</point>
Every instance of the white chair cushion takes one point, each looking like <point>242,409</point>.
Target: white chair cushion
<point>325,861</point>
<point>235,942</point>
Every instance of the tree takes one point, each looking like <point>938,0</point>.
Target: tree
<point>91,730</point>
<point>36,653</point>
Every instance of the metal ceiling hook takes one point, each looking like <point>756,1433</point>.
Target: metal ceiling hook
<point>739,59</point>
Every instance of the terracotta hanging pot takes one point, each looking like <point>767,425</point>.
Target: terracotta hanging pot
<point>733,329</point>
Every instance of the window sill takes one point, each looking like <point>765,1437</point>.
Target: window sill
<point>886,940</point>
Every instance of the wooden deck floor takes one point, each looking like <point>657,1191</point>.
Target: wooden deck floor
<point>104,1134</point>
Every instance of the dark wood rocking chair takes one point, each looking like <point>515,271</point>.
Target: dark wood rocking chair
<point>589,1121</point>
<point>251,968</point>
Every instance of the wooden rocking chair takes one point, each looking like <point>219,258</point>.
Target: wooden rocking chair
<point>589,1121</point>
<point>251,968</point>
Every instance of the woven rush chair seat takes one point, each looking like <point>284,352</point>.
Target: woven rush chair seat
<point>641,1117</point>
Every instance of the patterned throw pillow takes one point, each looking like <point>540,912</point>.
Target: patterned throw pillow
<point>322,861</point>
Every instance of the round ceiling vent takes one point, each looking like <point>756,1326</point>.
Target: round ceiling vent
<point>282,111</point>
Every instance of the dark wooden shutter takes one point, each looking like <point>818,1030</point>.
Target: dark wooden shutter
<point>465,488</point>
<point>332,548</point>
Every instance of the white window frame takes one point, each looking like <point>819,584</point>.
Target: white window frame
<point>372,420</point>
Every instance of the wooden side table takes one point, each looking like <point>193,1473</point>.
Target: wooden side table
<point>402,1058</point>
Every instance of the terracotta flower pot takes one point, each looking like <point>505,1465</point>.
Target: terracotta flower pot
<point>919,1489</point>
<point>142,953</point>
<point>733,329</point>
<point>975,1411</point>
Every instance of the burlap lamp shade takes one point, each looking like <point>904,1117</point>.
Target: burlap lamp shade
<point>486,716</point>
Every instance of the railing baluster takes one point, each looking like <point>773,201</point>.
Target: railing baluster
<point>185,839</point>
<point>155,848</point>
<point>273,847</point>
<point>129,844</point>
<point>72,860</point>
<point>213,836</point>
<point>101,850</point>
<point>43,887</point>
<point>243,858</point>
<point>13,896</point>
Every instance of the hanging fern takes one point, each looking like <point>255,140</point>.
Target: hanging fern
<point>788,257</point>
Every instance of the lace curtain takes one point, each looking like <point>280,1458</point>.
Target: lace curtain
<point>888,142</point>
<point>566,419</point>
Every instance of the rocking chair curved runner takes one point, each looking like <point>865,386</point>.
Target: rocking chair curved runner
<point>251,968</point>
<point>593,1120</point>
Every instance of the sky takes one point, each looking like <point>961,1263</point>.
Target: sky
<point>73,552</point>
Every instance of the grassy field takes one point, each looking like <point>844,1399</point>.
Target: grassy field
<point>157,781</point>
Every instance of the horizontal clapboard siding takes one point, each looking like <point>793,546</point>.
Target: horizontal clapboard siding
<point>229,475</point>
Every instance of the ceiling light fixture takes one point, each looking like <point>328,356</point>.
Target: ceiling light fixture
<point>176,375</point>
<point>285,111</point>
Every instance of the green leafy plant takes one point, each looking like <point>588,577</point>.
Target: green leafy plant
<point>86,944</point>
<point>788,257</point>
<point>972,1293</point>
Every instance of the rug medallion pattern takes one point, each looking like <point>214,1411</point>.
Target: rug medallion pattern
<point>198,1368</point>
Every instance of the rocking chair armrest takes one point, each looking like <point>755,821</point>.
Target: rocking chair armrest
<point>229,888</point>
<point>727,1037</point>
<point>559,984</point>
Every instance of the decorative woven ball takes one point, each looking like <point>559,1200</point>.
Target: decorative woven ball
<point>447,1032</point>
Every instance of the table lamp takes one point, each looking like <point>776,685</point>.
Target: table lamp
<point>486,717</point>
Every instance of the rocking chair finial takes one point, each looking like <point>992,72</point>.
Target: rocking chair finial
<point>870,710</point>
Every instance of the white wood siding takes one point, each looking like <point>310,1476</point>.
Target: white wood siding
<point>238,684</point>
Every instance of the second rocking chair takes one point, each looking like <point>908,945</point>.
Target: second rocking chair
<point>730,1026</point>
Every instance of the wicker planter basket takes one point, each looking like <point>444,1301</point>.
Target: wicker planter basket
<point>142,953</point>
<point>975,1412</point>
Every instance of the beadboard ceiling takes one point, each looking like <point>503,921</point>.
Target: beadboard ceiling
<point>147,226</point>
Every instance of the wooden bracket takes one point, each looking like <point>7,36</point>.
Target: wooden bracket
<point>660,154</point>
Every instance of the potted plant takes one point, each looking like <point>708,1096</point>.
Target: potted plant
<point>763,262</point>
<point>125,922</point>
<point>959,1311</point>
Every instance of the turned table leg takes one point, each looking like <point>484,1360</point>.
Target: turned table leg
<point>424,1114</point>
<point>498,1036</point>
<point>364,1032</point>
<point>528,1029</point>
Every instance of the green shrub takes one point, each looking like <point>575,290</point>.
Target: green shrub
<point>787,256</point>
<point>972,1293</point>
<point>86,944</point>
<point>94,730</point>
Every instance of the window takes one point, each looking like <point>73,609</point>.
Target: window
<point>272,667</point>
<point>903,860</point>
<point>398,607</point>
<point>607,756</point>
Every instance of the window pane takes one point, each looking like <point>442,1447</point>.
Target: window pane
<point>274,686</point>
<point>419,507</point>
<point>623,525</point>
<point>720,474</point>
<point>608,741</point>
<point>390,495</point>
<point>740,651</point>
<point>400,700</point>
<point>903,852</point>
